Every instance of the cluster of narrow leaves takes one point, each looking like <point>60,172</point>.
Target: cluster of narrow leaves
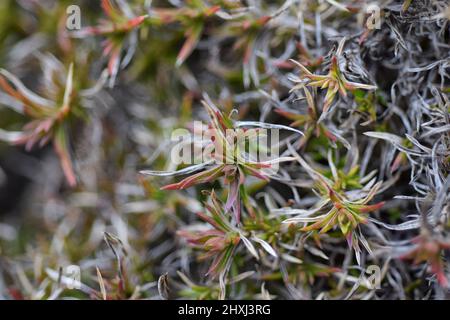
<point>359,174</point>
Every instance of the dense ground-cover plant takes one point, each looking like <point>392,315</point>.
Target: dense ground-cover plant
<point>358,95</point>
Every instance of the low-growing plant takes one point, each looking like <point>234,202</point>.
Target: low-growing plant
<point>224,149</point>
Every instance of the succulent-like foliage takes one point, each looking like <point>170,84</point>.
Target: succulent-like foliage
<point>222,149</point>
<point>228,157</point>
<point>219,242</point>
<point>49,115</point>
<point>335,81</point>
<point>120,27</point>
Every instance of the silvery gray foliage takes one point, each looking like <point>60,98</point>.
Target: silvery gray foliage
<point>364,115</point>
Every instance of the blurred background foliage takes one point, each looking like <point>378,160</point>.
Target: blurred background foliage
<point>133,85</point>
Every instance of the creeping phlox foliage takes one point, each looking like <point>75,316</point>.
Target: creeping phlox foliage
<point>314,148</point>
